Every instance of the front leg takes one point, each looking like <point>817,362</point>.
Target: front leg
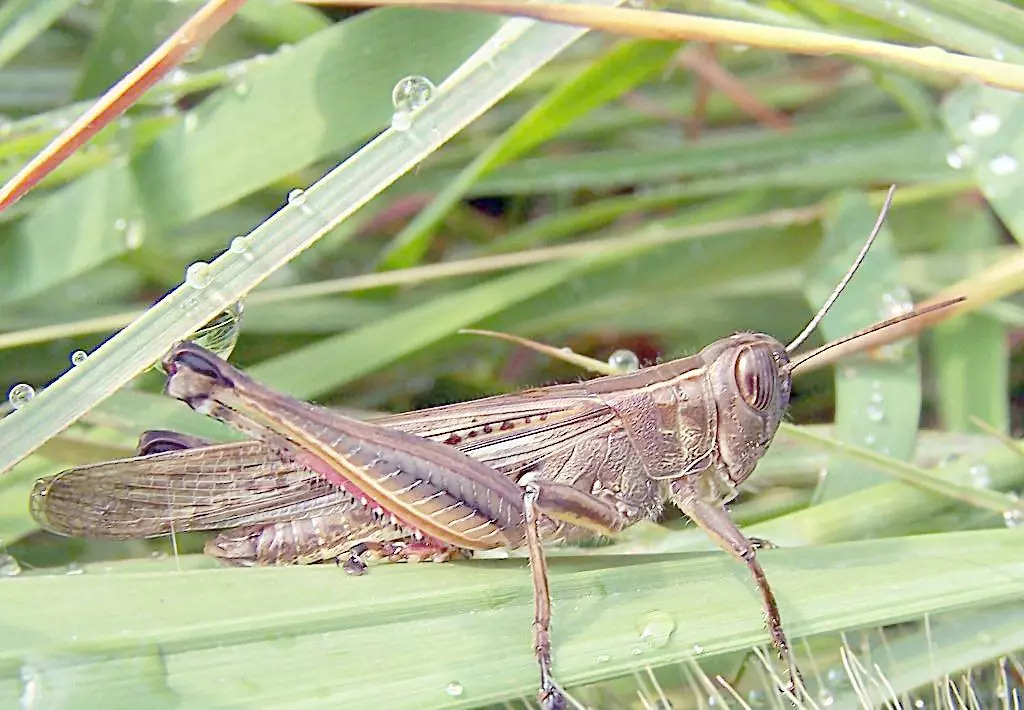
<point>562,503</point>
<point>714,520</point>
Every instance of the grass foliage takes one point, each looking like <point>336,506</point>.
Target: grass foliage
<point>582,189</point>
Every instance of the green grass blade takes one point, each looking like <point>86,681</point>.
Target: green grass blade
<point>21,21</point>
<point>986,128</point>
<point>267,636</point>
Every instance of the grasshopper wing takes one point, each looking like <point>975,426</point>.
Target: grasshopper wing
<point>201,488</point>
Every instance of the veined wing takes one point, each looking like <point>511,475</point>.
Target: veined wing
<point>209,487</point>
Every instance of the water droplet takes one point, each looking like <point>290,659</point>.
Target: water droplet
<point>120,224</point>
<point>177,76</point>
<point>193,54</point>
<point>454,689</point>
<point>757,698</point>
<point>198,275</point>
<point>875,413</point>
<point>656,628</point>
<point>835,676</point>
<point>241,88</point>
<point>297,197</point>
<point>697,649</point>
<point>1013,518</point>
<point>604,658</point>
<point>877,397</point>
<point>78,357</point>
<point>20,395</point>
<point>980,476</point>
<point>1003,165</point>
<point>74,568</point>
<point>870,439</point>
<point>960,157</point>
<point>221,334</point>
<point>826,698</point>
<point>9,566</point>
<point>919,703</point>
<point>412,93</point>
<point>624,360</point>
<point>901,11</point>
<point>998,54</point>
<point>134,234</point>
<point>191,121</point>
<point>409,95</point>
<point>984,123</point>
<point>897,303</point>
<point>241,246</point>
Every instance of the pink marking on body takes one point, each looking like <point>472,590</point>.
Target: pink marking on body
<point>318,465</point>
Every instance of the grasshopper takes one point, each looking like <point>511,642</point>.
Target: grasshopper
<point>553,464</point>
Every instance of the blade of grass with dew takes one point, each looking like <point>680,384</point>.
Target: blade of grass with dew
<point>985,126</point>
<point>976,493</point>
<point>971,354</point>
<point>507,59</point>
<point>229,635</point>
<point>994,16</point>
<point>932,22</point>
<point>207,160</point>
<point>620,70</point>
<point>878,398</point>
<point>889,508</point>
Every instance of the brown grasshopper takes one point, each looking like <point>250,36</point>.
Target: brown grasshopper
<point>551,464</point>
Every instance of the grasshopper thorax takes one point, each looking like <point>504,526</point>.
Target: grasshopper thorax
<point>750,383</point>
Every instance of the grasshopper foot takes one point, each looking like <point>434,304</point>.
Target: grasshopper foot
<point>352,565</point>
<point>759,543</point>
<point>551,698</point>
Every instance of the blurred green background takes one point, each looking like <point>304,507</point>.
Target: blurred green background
<point>635,194</point>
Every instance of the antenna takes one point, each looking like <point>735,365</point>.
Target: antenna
<point>805,357</point>
<point>816,320</point>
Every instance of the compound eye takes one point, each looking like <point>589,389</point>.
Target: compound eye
<point>756,375</point>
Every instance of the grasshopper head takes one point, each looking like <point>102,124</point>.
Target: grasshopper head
<point>751,384</point>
